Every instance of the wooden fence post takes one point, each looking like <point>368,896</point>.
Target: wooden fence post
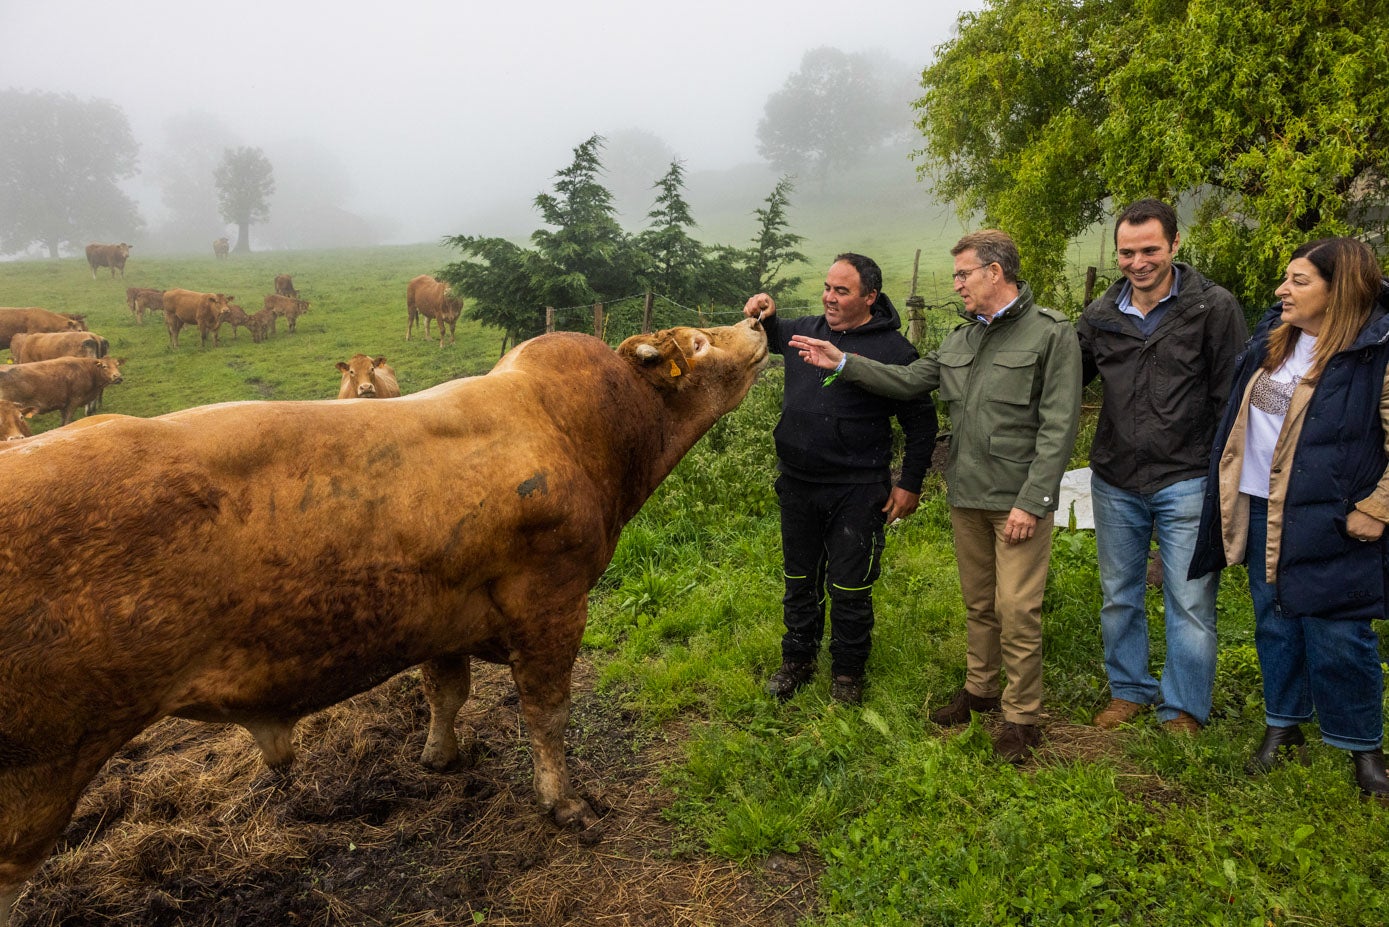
<point>915,305</point>
<point>598,320</point>
<point>646,313</point>
<point>549,319</point>
<point>1089,284</point>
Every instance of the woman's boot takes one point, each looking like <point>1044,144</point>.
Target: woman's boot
<point>1369,773</point>
<point>1278,742</point>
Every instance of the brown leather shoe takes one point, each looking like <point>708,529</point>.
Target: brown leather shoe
<point>847,689</point>
<point>1184,724</point>
<point>1118,711</point>
<point>789,678</point>
<point>957,711</point>
<point>1016,742</point>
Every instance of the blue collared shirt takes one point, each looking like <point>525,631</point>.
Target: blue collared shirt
<point>1147,324</point>
<point>986,319</point>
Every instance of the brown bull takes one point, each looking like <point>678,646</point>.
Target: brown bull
<point>112,256</point>
<point>188,307</point>
<point>425,296</point>
<point>14,420</point>
<point>63,384</point>
<point>367,378</point>
<point>33,319</point>
<point>561,443</point>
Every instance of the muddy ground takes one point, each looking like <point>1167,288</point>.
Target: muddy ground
<point>185,827</point>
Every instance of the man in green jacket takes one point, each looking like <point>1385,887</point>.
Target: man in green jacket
<point>1010,378</point>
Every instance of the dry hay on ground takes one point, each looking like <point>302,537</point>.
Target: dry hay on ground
<point>186,827</point>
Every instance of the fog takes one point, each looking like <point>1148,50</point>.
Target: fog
<point>401,122</point>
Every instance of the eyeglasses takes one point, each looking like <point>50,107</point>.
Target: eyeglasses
<point>960,275</point>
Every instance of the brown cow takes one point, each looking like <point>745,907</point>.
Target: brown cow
<point>27,347</point>
<point>261,325</point>
<point>112,256</point>
<point>367,378</point>
<point>14,420</point>
<point>187,307</point>
<point>288,308</point>
<point>284,286</point>
<point>220,247</point>
<point>425,296</point>
<point>64,383</point>
<point>561,443</point>
<point>34,319</point>
<point>141,299</point>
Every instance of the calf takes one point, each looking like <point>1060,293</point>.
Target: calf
<point>14,420</point>
<point>284,286</point>
<point>143,299</point>
<point>367,378</point>
<point>288,307</point>
<point>112,256</point>
<point>261,325</point>
<point>64,383</point>
<point>236,316</point>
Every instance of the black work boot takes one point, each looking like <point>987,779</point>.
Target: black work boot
<point>1369,773</point>
<point>957,711</point>
<point>789,678</point>
<point>847,689</point>
<point>1278,744</point>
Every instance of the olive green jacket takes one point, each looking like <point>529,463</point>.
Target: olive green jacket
<point>1012,389</point>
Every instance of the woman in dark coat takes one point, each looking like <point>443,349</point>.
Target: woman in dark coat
<point>1299,491</point>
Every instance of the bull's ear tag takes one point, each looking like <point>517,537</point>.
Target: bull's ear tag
<point>674,369</point>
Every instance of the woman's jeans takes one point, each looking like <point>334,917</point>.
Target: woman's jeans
<point>1325,666</point>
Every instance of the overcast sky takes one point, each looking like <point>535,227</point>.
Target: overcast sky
<point>428,105</point>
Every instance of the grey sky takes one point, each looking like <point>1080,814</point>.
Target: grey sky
<point>433,108</point>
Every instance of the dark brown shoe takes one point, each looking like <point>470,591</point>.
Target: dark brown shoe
<point>1278,744</point>
<point>959,708</point>
<point>789,678</point>
<point>1184,725</point>
<point>1016,742</point>
<point>1370,775</point>
<point>1118,711</point>
<point>847,689</point>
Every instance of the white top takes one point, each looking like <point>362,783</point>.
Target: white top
<point>1268,407</point>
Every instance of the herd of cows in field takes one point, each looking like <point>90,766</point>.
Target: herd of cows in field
<point>57,365</point>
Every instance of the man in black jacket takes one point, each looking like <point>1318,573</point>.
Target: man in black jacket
<point>834,448</point>
<point>1164,342</point>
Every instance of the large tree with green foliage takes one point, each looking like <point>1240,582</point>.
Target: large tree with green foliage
<point>829,112</point>
<point>1273,118</point>
<point>245,182</point>
<point>61,159</point>
<point>774,247</point>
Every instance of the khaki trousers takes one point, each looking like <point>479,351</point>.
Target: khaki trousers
<point>1003,585</point>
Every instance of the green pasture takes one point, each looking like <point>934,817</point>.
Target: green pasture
<point>913,825</point>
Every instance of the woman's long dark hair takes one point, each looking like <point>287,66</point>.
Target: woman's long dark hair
<point>1352,274</point>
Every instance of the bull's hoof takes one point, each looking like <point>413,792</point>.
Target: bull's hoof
<point>574,814</point>
<point>438,757</point>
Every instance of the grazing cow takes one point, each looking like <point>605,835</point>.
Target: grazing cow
<point>27,347</point>
<point>220,247</point>
<point>14,422</point>
<point>33,319</point>
<point>187,307</point>
<point>261,325</point>
<point>143,299</point>
<point>367,378</point>
<point>236,316</point>
<point>425,296</point>
<point>284,286</point>
<point>64,383</point>
<point>561,444</point>
<point>112,256</point>
<point>287,307</point>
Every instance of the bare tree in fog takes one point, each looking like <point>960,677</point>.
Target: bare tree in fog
<point>59,166</point>
<point>831,112</point>
<point>245,182</point>
<point>193,146</point>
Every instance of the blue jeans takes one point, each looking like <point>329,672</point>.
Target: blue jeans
<point>1124,523</point>
<point>1309,665</point>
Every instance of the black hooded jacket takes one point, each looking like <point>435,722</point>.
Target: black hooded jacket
<point>839,433</point>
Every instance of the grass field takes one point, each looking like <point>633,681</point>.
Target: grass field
<point>913,825</point>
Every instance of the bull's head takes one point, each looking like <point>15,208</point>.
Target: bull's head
<point>675,357</point>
